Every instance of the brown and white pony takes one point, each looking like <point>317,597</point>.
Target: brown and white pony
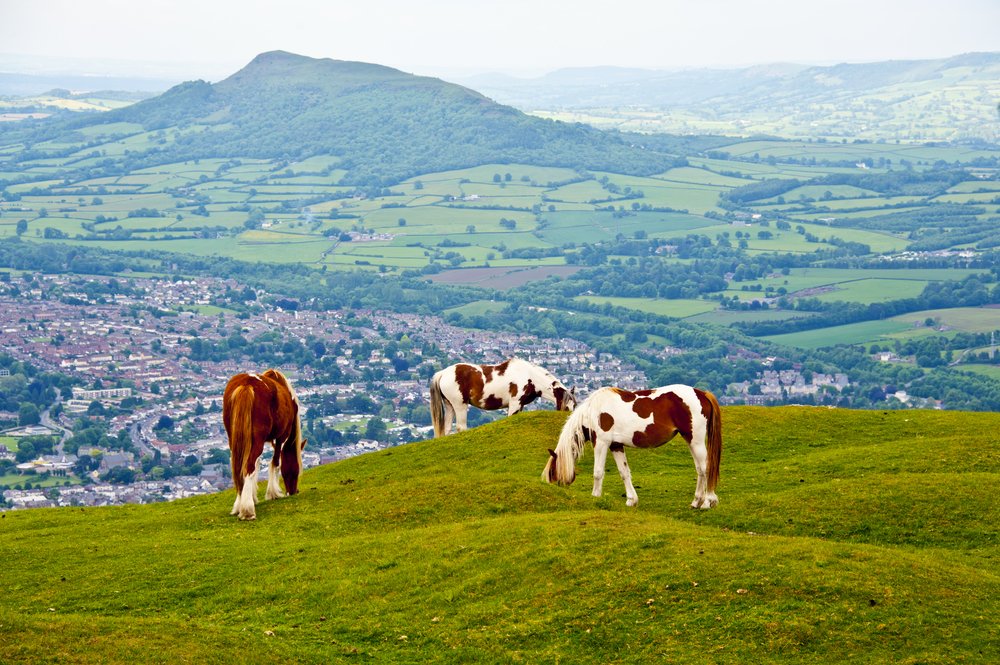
<point>612,418</point>
<point>256,409</point>
<point>513,384</point>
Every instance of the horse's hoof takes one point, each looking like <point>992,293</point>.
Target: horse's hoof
<point>697,503</point>
<point>632,502</point>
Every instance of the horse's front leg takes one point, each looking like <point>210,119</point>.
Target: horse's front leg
<point>600,460</point>
<point>618,452</point>
<point>273,487</point>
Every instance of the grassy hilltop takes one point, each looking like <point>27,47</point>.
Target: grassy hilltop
<point>858,536</point>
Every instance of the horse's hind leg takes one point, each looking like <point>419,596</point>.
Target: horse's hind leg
<point>449,417</point>
<point>618,452</point>
<point>273,487</point>
<point>702,498</point>
<point>461,417</point>
<point>248,497</point>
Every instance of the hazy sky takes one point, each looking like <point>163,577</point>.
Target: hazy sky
<point>212,38</point>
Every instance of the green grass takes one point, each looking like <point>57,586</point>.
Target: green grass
<point>10,442</point>
<point>841,537</point>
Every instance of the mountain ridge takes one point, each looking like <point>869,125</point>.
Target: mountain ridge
<point>384,124</point>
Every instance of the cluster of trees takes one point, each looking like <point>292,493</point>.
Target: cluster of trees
<point>28,391</point>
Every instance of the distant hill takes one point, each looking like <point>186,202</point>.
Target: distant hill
<point>948,98</point>
<point>384,124</point>
<point>842,536</point>
<point>13,84</point>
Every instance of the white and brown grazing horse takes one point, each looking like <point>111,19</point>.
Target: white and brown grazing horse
<point>612,418</point>
<point>257,409</point>
<point>513,384</point>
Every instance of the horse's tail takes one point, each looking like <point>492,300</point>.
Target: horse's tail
<point>437,405</point>
<point>713,442</point>
<point>241,432</point>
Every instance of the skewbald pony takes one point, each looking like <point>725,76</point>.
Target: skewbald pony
<point>613,419</point>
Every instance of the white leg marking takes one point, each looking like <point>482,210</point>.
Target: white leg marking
<point>700,455</point>
<point>600,460</point>
<point>449,417</point>
<point>249,497</point>
<point>273,487</point>
<point>632,499</point>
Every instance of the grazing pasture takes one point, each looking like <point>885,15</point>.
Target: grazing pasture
<point>396,556</point>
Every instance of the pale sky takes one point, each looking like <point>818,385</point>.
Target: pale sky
<point>210,39</point>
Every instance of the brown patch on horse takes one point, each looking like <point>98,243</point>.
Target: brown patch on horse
<point>492,402</point>
<point>502,367</point>
<point>607,421</point>
<point>512,389</point>
<point>625,395</point>
<point>470,382</point>
<point>560,395</point>
<point>530,394</point>
<point>487,372</point>
<point>706,404</point>
<point>643,407</point>
<point>670,416</point>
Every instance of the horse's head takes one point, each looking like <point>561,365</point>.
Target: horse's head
<point>550,473</point>
<point>565,399</point>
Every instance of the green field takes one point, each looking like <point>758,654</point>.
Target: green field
<point>10,442</point>
<point>14,479</point>
<point>873,547</point>
<point>478,307</point>
<point>946,321</point>
<point>852,333</point>
<point>679,308</point>
<point>992,371</point>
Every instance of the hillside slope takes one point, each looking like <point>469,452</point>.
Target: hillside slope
<point>861,536</point>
